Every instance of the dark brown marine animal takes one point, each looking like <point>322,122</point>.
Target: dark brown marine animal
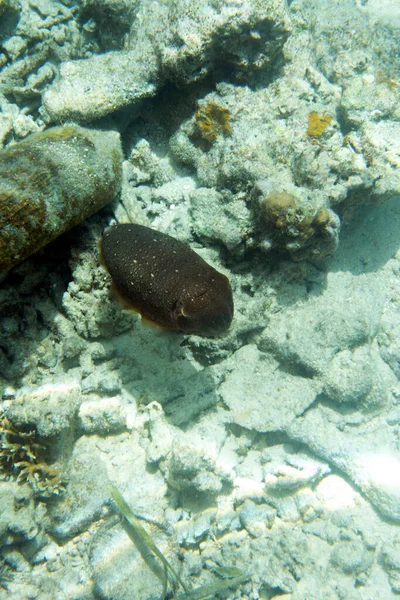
<point>166,281</point>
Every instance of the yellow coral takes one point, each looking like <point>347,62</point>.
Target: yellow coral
<point>317,124</point>
<point>280,213</point>
<point>278,209</point>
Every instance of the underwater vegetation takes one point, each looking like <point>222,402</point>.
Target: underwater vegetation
<point>231,577</point>
<point>52,181</point>
<point>22,456</point>
<point>210,121</point>
<point>166,281</point>
<point>144,542</point>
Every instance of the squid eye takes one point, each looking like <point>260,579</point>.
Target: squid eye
<point>177,310</point>
<point>181,318</point>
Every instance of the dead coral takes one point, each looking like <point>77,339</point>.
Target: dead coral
<point>291,228</point>
<point>10,12</point>
<point>280,213</point>
<point>23,456</point>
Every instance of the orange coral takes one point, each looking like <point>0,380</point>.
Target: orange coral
<point>211,120</point>
<point>317,124</point>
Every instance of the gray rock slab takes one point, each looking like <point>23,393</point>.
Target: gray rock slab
<point>87,492</point>
<point>262,397</point>
<point>359,377</point>
<point>121,572</point>
<point>347,314</point>
<point>52,408</point>
<point>367,455</point>
<point>91,88</point>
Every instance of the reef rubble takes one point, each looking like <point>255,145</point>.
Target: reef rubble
<point>265,135</point>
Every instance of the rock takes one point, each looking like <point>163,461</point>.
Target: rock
<point>52,181</point>
<point>190,469</point>
<point>50,408</point>
<point>102,416</point>
<point>256,519</point>
<point>170,43</point>
<point>310,335</point>
<point>129,575</point>
<point>258,397</point>
<point>368,458</point>
<point>351,556</point>
<point>94,87</point>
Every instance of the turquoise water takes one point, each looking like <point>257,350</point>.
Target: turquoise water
<point>255,461</point>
